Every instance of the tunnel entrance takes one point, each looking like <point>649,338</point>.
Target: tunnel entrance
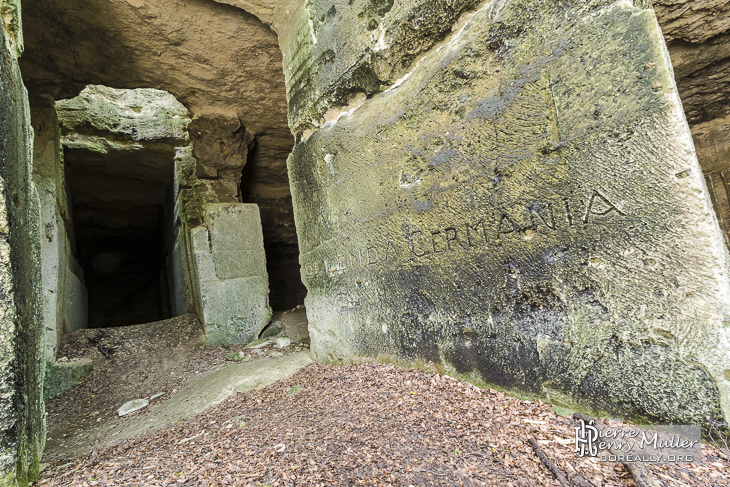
<point>119,149</point>
<point>172,215</point>
<point>161,243</point>
<point>118,204</point>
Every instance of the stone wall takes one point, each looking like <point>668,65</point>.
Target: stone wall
<point>119,148</point>
<point>64,292</point>
<point>22,418</point>
<point>513,192</point>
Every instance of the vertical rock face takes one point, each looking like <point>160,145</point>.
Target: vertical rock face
<point>698,36</point>
<point>64,294</point>
<point>524,204</point>
<point>22,427</point>
<point>692,20</point>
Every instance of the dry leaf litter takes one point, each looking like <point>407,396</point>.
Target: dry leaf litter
<point>371,425</point>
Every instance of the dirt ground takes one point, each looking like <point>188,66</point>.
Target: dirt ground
<point>139,362</point>
<point>370,424</point>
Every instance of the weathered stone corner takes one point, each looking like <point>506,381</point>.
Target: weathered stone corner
<point>524,205</point>
<point>507,188</point>
<point>22,418</point>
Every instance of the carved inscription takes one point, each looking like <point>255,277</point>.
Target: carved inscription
<point>357,259</point>
<point>490,228</point>
<point>509,223</point>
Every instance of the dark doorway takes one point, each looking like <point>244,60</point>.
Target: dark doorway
<point>265,182</point>
<point>118,202</point>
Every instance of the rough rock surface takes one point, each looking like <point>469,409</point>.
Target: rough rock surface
<point>22,419</point>
<point>64,293</point>
<point>692,20</point>
<point>325,70</point>
<point>131,115</point>
<point>703,77</point>
<point>698,35</point>
<point>712,142</point>
<point>517,207</point>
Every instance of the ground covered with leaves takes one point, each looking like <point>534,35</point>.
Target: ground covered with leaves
<point>367,425</point>
<point>154,361</point>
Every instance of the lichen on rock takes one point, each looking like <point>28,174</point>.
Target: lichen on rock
<point>516,208</point>
<point>22,419</point>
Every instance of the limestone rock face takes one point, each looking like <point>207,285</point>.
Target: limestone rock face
<point>692,20</point>
<point>325,70</point>
<point>703,77</point>
<point>132,115</point>
<point>22,418</point>
<point>698,35</point>
<point>64,293</point>
<point>712,142</point>
<point>221,147</point>
<point>524,205</point>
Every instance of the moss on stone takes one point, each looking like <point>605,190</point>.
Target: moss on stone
<point>62,376</point>
<point>22,418</point>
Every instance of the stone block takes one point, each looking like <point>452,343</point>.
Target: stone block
<point>234,226</point>
<point>206,172</point>
<point>230,264</point>
<point>524,206</point>
<point>220,142</point>
<point>62,376</point>
<point>230,273</point>
<point>53,252</point>
<point>235,310</point>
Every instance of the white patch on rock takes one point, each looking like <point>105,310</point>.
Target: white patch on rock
<point>282,342</point>
<point>132,406</point>
<point>380,44</point>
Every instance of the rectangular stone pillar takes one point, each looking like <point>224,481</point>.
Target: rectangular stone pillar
<point>64,293</point>
<point>524,205</point>
<point>230,273</point>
